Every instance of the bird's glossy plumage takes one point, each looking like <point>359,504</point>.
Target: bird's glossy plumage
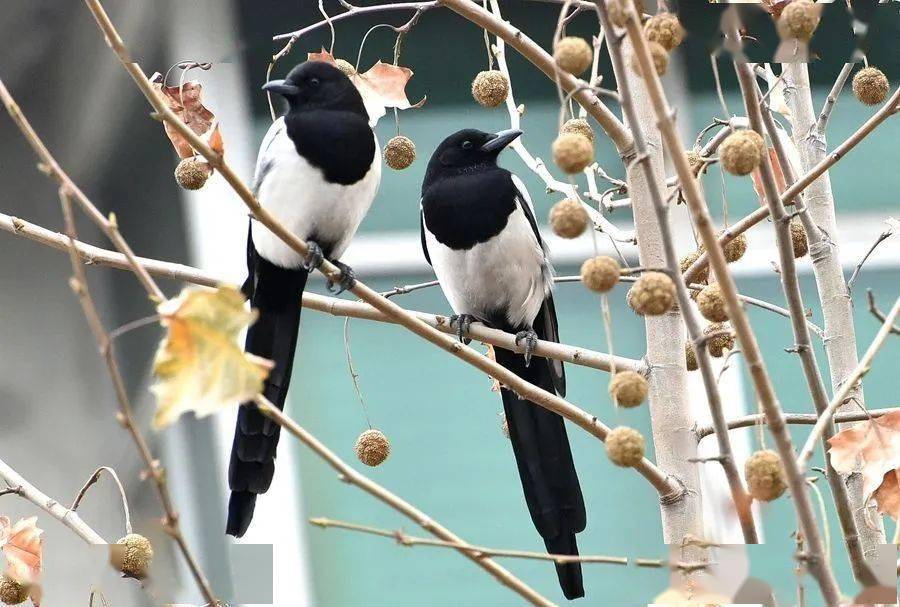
<point>481,237</point>
<point>317,172</point>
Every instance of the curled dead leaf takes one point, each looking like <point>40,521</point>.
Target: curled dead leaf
<point>382,86</point>
<point>186,102</point>
<point>490,353</point>
<point>23,548</point>
<point>199,365</point>
<point>873,448</point>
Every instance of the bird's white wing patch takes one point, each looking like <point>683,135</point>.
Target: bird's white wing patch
<point>528,209</point>
<point>265,159</point>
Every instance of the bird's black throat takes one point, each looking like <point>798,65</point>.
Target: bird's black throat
<point>465,207</point>
<point>339,143</point>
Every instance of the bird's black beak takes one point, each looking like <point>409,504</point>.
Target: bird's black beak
<point>281,87</point>
<point>500,140</point>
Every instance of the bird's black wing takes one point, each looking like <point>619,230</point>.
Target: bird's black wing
<point>422,235</point>
<point>545,324</point>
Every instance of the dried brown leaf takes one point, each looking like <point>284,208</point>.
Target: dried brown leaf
<point>381,86</point>
<point>872,447</point>
<point>186,102</point>
<point>22,547</point>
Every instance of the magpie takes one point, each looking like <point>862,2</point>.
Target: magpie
<point>317,172</point>
<point>479,233</point>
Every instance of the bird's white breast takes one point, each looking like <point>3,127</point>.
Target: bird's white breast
<point>298,195</point>
<point>507,272</point>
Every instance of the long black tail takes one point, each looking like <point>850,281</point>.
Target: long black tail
<point>545,464</point>
<point>276,293</point>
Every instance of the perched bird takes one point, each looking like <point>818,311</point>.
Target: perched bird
<point>480,235</point>
<point>317,172</point>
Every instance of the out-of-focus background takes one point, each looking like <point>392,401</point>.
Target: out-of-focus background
<point>449,456</point>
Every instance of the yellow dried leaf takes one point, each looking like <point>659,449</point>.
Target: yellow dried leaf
<point>199,365</point>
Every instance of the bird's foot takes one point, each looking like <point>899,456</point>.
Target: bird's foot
<point>462,322</point>
<point>347,280</point>
<point>530,338</point>
<point>314,256</point>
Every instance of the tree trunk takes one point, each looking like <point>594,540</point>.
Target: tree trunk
<point>837,308</point>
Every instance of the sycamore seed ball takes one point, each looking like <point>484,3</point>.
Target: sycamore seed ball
<point>617,14</point>
<point>694,160</point>
<point>628,388</point>
<point>741,152</point>
<point>573,54</point>
<point>345,66</point>
<point>572,152</point>
<point>601,273</point>
<point>722,340</point>
<point>372,447</point>
<point>870,85</point>
<point>490,88</point>
<point>688,260</point>
<point>798,20</point>
<point>132,555</point>
<point>690,357</point>
<point>654,294</point>
<point>578,126</point>
<point>765,475</point>
<point>629,299</point>
<point>736,248</point>
<point>12,592</point>
<point>400,152</point>
<point>712,303</point>
<point>625,446</point>
<point>568,218</point>
<point>799,241</point>
<point>660,58</point>
<point>192,173</point>
<point>664,29</point>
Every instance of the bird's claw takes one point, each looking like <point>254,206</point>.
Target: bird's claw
<point>314,256</point>
<point>462,322</point>
<point>530,338</point>
<point>347,280</point>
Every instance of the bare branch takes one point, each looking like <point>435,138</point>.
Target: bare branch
<point>92,480</point>
<point>808,419</point>
<point>427,523</point>
<point>892,225</point>
<point>832,98</point>
<point>67,517</point>
<point>877,313</point>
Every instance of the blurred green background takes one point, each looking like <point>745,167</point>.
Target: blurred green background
<point>449,456</point>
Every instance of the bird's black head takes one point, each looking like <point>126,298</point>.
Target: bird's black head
<point>469,150</point>
<point>317,85</point>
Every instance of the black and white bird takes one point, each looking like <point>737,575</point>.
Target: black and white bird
<point>317,172</point>
<point>480,235</point>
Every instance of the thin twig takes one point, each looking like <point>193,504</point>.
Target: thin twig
<point>404,539</point>
<point>877,313</point>
<point>865,363</point>
<point>92,480</point>
<point>892,225</point>
<point>532,393</point>
<point>808,419</point>
<point>703,222</point>
<point>427,523</point>
<point>67,517</point>
<point>832,98</point>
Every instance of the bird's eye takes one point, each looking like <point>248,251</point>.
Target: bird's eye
<point>467,145</point>
<point>313,82</point>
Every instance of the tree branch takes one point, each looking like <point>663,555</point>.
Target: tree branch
<point>749,346</point>
<point>66,516</point>
<point>92,481</point>
<point>540,397</point>
<point>351,476</point>
<point>808,419</point>
<point>96,256</point>
<point>877,313</point>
